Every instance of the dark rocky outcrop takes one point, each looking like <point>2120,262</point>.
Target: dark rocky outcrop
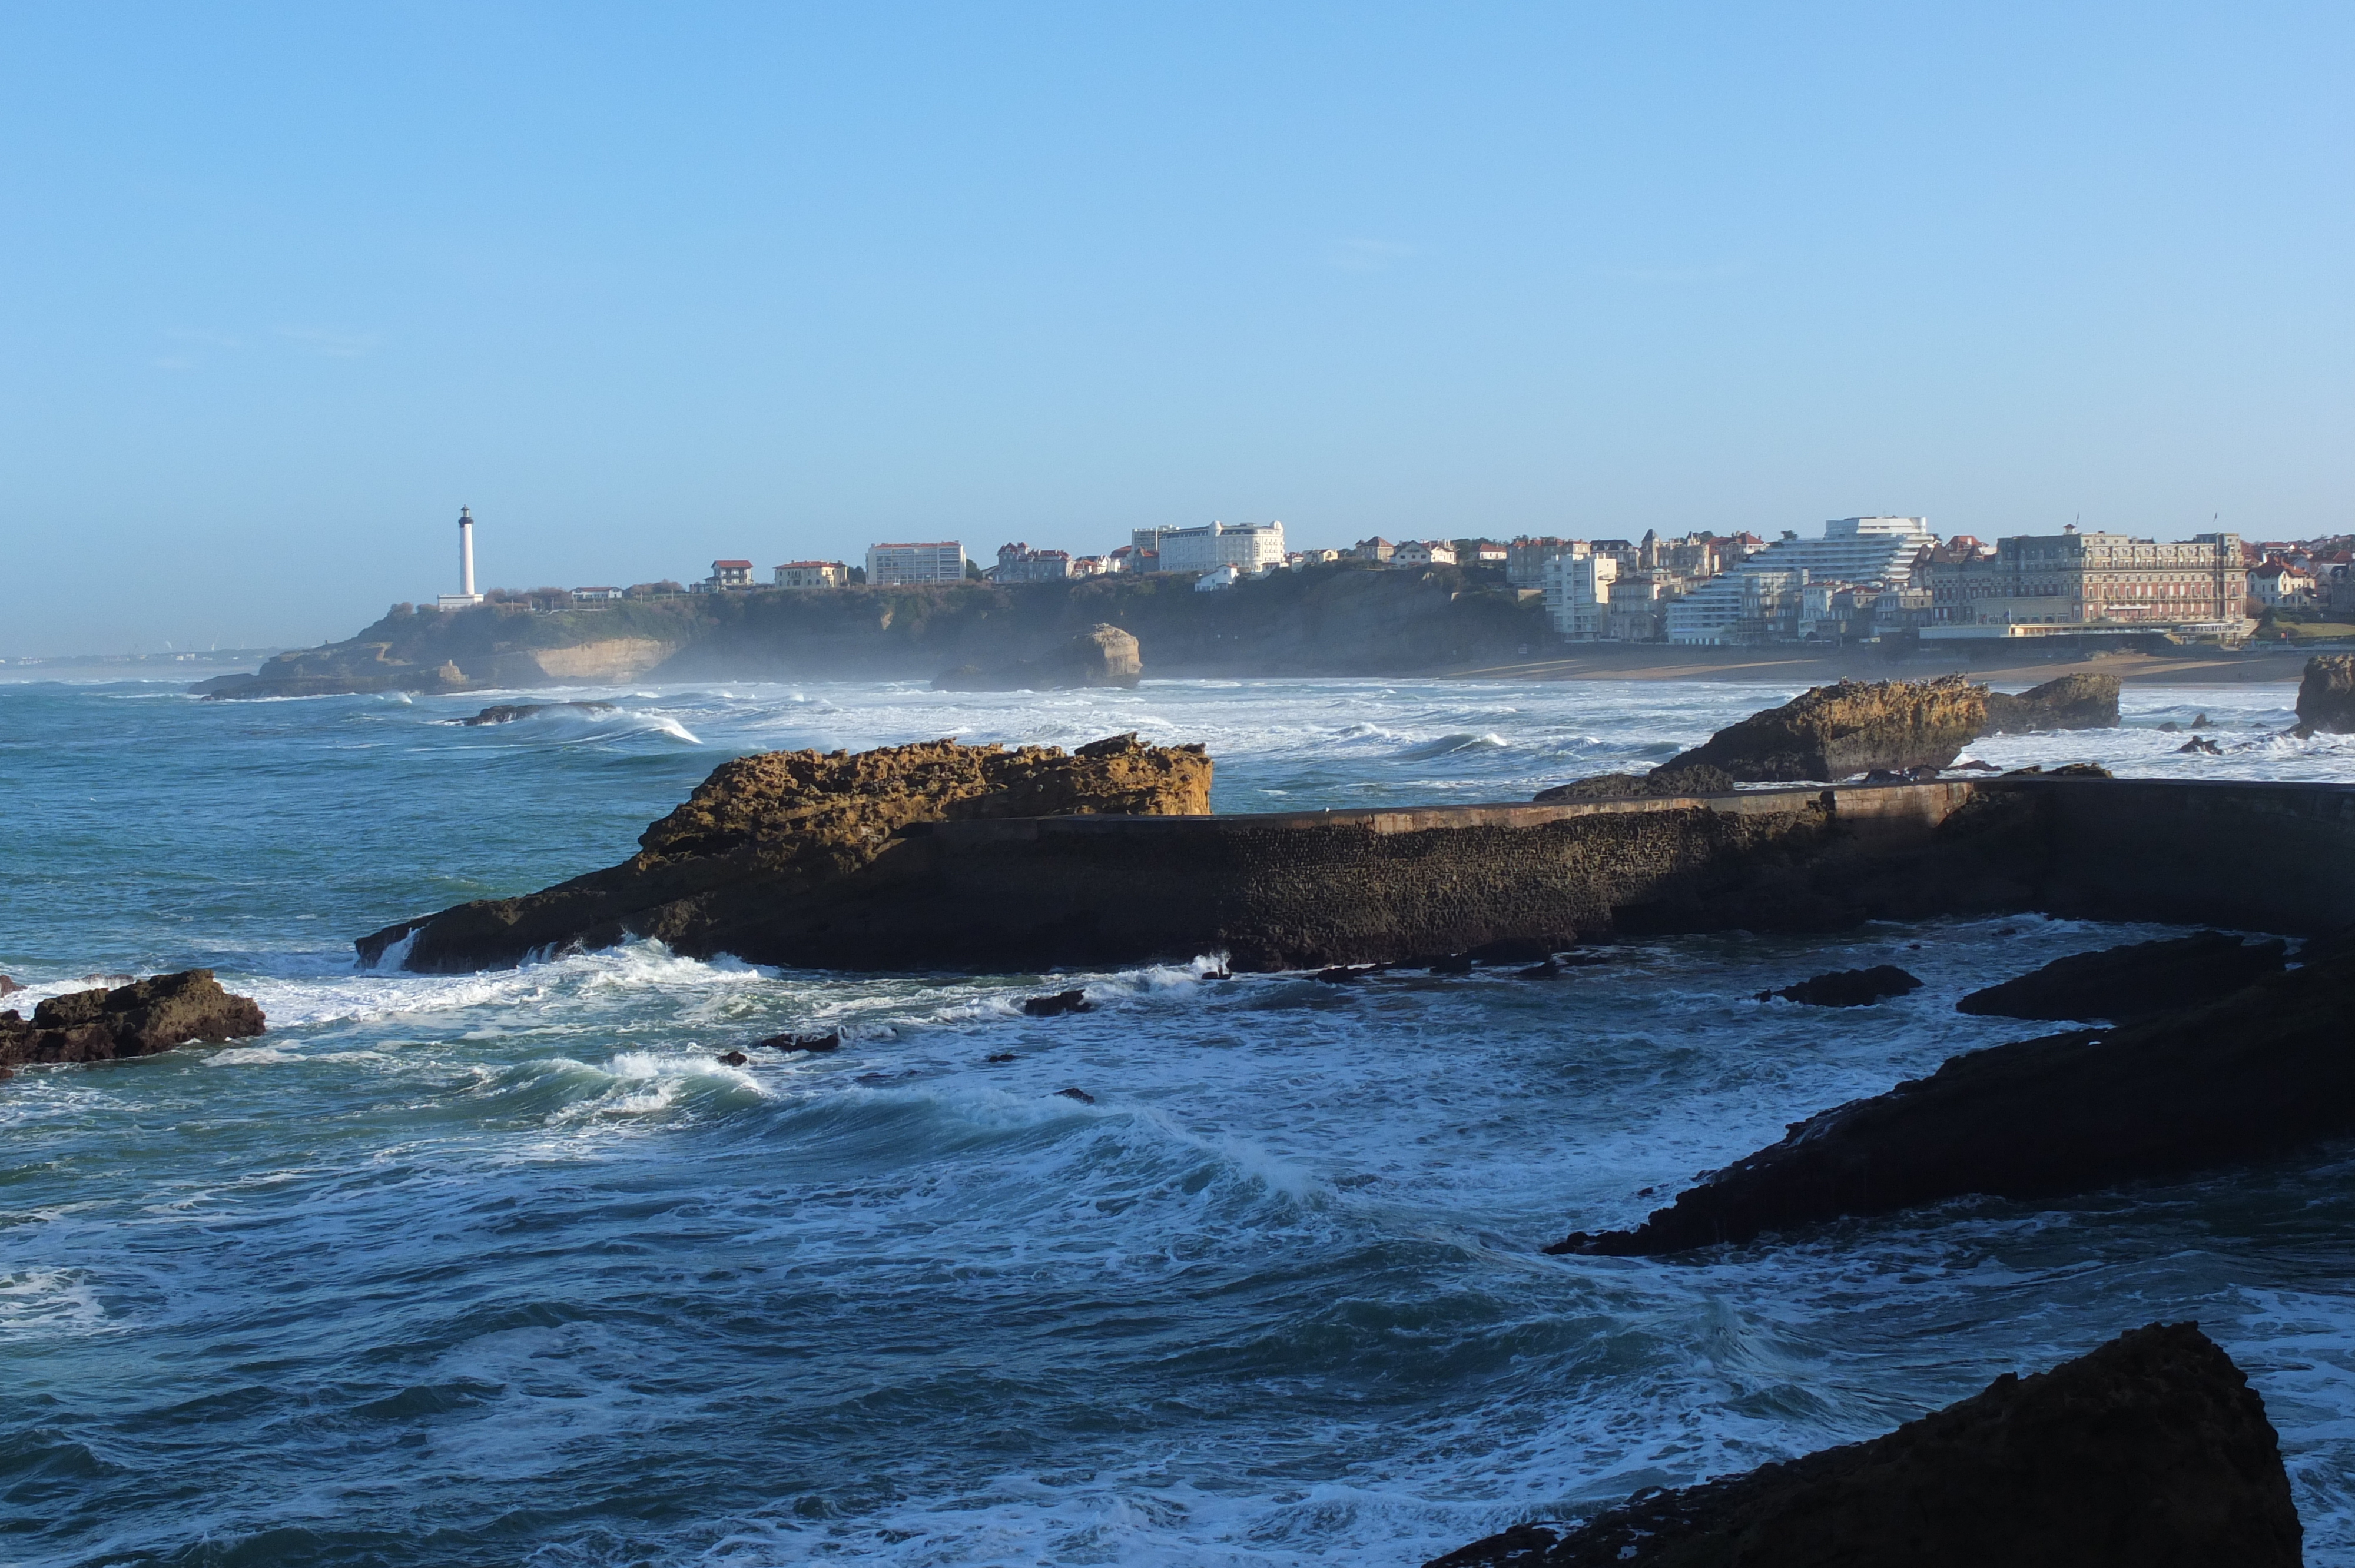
<point>2133,981</point>
<point>1055,1006</point>
<point>2325,695</point>
<point>1849,987</point>
<point>2151,1451</point>
<point>8,986</point>
<point>2259,1073</point>
<point>753,862</point>
<point>814,1042</point>
<point>135,1019</point>
<point>2073,702</point>
<point>507,713</point>
<point>1836,732</point>
<point>1657,783</point>
<point>1101,656</point>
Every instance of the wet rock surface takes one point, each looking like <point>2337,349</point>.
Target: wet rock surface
<point>2259,1073</point>
<point>1659,782</point>
<point>1836,732</point>
<point>135,1019</point>
<point>2133,981</point>
<point>507,713</point>
<point>765,838</point>
<point>1104,655</point>
<point>2073,702</point>
<point>1055,1006</point>
<point>1848,987</point>
<point>2151,1451</point>
<point>2325,695</point>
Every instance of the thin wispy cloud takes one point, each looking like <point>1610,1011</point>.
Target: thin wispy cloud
<point>1366,255</point>
<point>1711,273</point>
<point>330,343</point>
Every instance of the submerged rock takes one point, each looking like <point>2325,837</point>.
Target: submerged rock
<point>2151,1451</point>
<point>1835,732</point>
<point>2132,981</point>
<point>507,713</point>
<point>816,1043</point>
<point>1055,1006</point>
<point>755,860</point>
<point>2325,695</point>
<point>1659,782</point>
<point>1848,987</point>
<point>137,1019</point>
<point>2256,1075</point>
<point>2198,744</point>
<point>2073,702</point>
<point>1104,655</point>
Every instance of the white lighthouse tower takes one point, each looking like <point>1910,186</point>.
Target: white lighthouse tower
<point>465,595</point>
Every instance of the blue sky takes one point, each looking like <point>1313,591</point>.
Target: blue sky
<point>283,287</point>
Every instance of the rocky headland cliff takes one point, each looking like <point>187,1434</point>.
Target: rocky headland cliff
<point>1099,656</point>
<point>2151,1451</point>
<point>1339,619</point>
<point>136,1019</point>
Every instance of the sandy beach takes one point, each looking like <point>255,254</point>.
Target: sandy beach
<point>2009,665</point>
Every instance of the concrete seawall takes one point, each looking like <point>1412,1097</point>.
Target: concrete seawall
<point>1307,889</point>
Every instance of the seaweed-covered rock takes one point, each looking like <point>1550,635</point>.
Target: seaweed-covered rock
<point>737,867</point>
<point>2132,981</point>
<point>1104,655</point>
<point>135,1019</point>
<point>2073,702</point>
<point>1835,732</point>
<point>2151,1451</point>
<point>2325,695</point>
<point>1848,987</point>
<point>2258,1074</point>
<point>1659,782</point>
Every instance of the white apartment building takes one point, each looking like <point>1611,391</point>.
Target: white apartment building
<point>936,563</point>
<point>1578,593</point>
<point>1852,549</point>
<point>1424,553</point>
<point>1249,548</point>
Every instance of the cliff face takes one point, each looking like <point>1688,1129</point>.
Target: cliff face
<point>2151,1451</point>
<point>1835,732</point>
<point>1333,620</point>
<point>763,850</point>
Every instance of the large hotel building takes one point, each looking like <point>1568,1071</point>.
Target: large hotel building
<point>2075,581</point>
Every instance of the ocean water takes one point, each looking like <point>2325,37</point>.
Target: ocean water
<point>509,1268</point>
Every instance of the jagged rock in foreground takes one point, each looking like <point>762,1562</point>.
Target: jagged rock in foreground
<point>772,851</point>
<point>1835,732</point>
<point>2257,1075</point>
<point>135,1020</point>
<point>2151,1451</point>
<point>2073,702</point>
<point>2133,981</point>
<point>1103,655</point>
<point>1659,782</point>
<point>2325,695</point>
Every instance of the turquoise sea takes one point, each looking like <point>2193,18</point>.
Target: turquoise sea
<point>507,1268</point>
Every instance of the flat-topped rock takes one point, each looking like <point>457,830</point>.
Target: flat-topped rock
<point>2131,982</point>
<point>2151,1451</point>
<point>1836,732</point>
